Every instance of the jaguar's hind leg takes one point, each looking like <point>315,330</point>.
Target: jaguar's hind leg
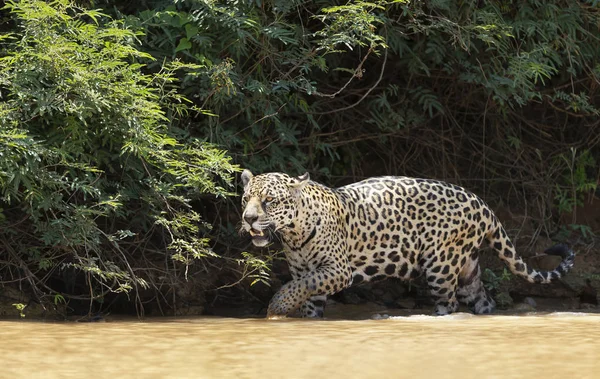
<point>443,288</point>
<point>471,290</point>
<point>315,307</point>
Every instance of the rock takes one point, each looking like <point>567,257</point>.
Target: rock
<point>503,300</point>
<point>388,298</point>
<point>545,262</point>
<point>351,297</point>
<point>378,316</point>
<point>528,300</point>
<point>191,310</point>
<point>406,303</point>
<point>524,307</point>
<point>588,294</point>
<point>574,282</point>
<point>364,293</point>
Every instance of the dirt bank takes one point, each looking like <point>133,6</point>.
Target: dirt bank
<point>220,291</point>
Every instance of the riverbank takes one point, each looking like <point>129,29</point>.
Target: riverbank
<point>221,291</point>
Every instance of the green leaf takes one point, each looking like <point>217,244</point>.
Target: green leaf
<point>190,31</point>
<point>184,44</point>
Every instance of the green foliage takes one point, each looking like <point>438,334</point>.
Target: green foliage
<point>492,281</point>
<point>115,129</point>
<point>59,299</point>
<point>496,285</point>
<point>572,231</point>
<point>20,307</point>
<point>576,183</point>
<point>93,163</point>
<point>282,78</point>
<point>257,269</point>
<point>351,25</point>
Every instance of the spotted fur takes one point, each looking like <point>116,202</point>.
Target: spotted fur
<point>381,227</point>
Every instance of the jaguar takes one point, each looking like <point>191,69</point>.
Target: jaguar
<point>378,228</point>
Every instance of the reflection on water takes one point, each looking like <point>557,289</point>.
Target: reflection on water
<point>461,346</point>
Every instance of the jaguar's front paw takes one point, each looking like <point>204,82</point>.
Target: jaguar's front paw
<point>276,311</point>
<point>286,301</point>
<point>275,317</point>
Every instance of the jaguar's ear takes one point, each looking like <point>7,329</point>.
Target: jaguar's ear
<point>300,181</point>
<point>246,176</point>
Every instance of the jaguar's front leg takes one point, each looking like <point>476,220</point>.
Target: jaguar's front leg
<point>289,298</point>
<point>317,284</point>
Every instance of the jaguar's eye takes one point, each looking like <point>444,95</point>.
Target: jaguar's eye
<point>268,199</point>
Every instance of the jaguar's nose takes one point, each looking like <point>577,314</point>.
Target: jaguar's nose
<point>250,218</point>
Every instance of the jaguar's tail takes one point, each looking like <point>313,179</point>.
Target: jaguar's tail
<point>499,240</point>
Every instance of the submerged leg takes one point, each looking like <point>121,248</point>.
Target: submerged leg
<point>314,307</point>
<point>442,280</point>
<point>443,289</point>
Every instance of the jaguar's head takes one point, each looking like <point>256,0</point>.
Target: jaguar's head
<point>270,204</point>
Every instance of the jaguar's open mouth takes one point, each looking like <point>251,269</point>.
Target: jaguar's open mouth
<point>257,233</point>
<point>259,237</point>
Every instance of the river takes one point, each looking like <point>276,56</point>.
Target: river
<point>552,345</point>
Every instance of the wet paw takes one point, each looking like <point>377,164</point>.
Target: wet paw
<point>287,300</point>
<point>484,306</point>
<point>275,317</point>
<point>441,310</point>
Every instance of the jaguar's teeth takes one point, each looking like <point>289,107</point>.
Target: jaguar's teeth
<point>255,233</point>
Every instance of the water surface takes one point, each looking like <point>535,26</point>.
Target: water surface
<point>555,345</point>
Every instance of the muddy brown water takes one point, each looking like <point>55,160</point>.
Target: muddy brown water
<point>550,345</point>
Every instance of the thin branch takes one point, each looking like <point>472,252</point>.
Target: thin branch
<point>363,96</point>
<point>358,72</point>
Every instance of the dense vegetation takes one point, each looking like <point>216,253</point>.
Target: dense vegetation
<point>122,125</point>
